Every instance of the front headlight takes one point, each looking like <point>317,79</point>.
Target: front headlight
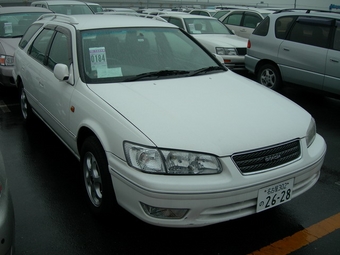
<point>311,132</point>
<point>154,160</point>
<point>226,51</point>
<point>6,60</point>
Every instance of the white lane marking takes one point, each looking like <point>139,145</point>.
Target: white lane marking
<point>4,107</point>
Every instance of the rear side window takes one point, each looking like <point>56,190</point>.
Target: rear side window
<point>234,19</point>
<point>262,28</point>
<point>311,31</point>
<point>28,35</point>
<point>176,22</point>
<point>336,43</point>
<point>251,20</point>
<point>282,26</point>
<point>38,49</point>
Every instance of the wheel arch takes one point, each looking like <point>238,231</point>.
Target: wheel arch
<point>18,82</point>
<point>264,62</point>
<point>83,133</point>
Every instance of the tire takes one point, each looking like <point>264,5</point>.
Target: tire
<point>269,76</point>
<point>96,177</point>
<point>26,109</point>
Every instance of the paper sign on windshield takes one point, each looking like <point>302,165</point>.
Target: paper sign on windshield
<point>98,58</point>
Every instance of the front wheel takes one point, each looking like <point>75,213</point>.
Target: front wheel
<point>269,76</point>
<point>96,177</point>
<point>26,109</point>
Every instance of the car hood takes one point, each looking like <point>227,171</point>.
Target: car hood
<point>222,40</point>
<point>220,113</point>
<point>8,45</point>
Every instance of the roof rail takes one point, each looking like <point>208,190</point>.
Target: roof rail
<point>59,17</point>
<point>142,15</point>
<point>304,10</point>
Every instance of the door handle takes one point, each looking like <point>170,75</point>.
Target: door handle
<point>334,60</point>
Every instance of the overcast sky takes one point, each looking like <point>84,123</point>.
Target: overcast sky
<point>315,4</point>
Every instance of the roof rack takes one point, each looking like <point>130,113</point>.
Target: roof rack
<point>304,10</point>
<point>142,15</point>
<point>59,17</point>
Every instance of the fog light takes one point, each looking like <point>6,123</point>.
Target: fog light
<point>164,213</point>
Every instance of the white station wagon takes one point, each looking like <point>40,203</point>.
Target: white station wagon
<point>159,125</point>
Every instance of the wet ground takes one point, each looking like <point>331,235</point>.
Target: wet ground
<point>52,216</point>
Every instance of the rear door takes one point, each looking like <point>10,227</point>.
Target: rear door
<point>332,74</point>
<point>234,22</point>
<point>32,66</point>
<point>302,56</point>
<point>249,23</point>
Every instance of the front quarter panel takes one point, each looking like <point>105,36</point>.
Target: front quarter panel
<point>110,127</point>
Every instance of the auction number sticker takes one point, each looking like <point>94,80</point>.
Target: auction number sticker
<point>274,195</point>
<point>98,58</point>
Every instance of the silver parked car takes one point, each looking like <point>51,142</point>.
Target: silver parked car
<point>297,47</point>
<point>13,23</point>
<point>66,7</point>
<point>243,21</point>
<point>217,38</point>
<point>6,214</point>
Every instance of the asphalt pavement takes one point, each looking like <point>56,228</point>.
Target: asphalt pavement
<point>52,216</point>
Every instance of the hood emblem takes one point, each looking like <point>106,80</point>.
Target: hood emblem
<point>272,158</point>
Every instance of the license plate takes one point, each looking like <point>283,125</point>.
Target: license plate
<point>274,195</point>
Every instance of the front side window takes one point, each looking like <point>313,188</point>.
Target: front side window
<point>59,52</point>
<point>204,14</point>
<point>70,9</point>
<point>38,49</point>
<point>205,26</point>
<point>127,54</point>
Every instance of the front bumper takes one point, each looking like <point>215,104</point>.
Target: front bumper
<point>235,63</point>
<point>210,199</point>
<point>6,76</point>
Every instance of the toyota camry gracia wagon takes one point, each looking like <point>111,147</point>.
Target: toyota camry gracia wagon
<point>159,125</point>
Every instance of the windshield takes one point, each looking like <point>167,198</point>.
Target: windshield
<point>127,54</point>
<point>69,9</point>
<point>15,24</point>
<point>205,26</point>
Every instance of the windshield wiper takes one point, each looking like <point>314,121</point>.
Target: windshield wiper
<point>207,70</point>
<point>157,74</point>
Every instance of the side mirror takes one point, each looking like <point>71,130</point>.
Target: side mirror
<point>61,72</point>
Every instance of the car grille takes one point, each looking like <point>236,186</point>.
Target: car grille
<point>241,51</point>
<point>269,157</point>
